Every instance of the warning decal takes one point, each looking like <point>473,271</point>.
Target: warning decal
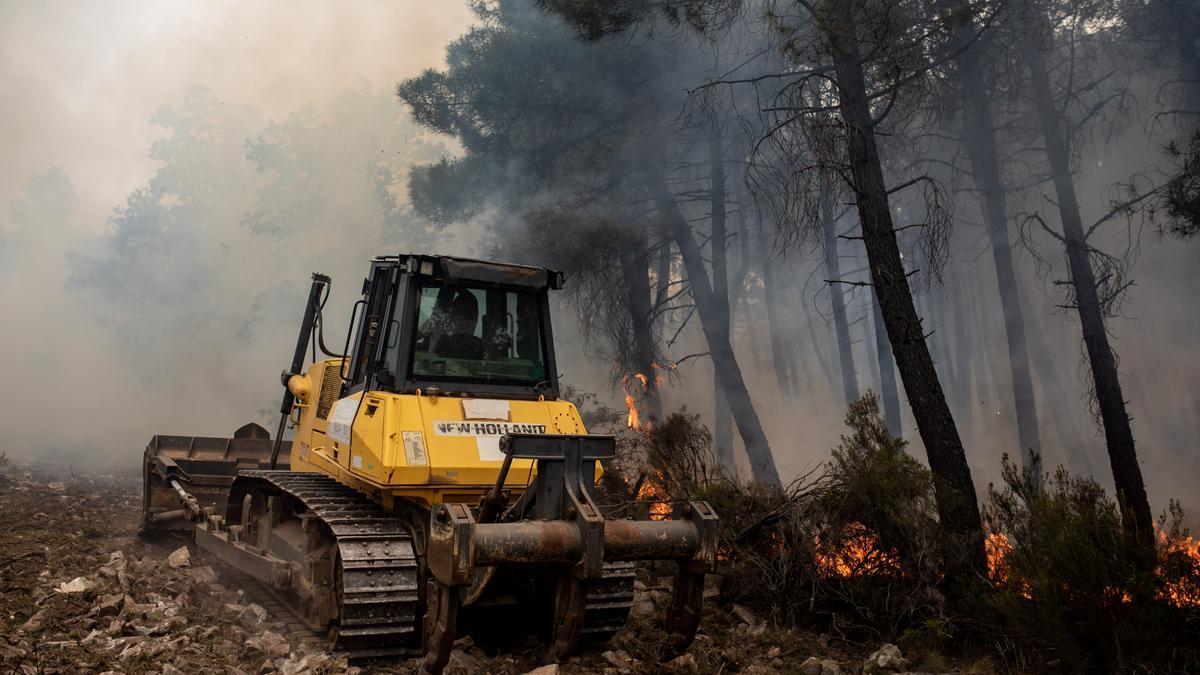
<point>341,418</point>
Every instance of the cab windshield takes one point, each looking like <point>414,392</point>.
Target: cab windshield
<point>478,335</point>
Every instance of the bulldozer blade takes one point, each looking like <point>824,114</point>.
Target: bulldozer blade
<point>200,467</point>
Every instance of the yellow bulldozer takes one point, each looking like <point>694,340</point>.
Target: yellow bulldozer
<point>435,480</point>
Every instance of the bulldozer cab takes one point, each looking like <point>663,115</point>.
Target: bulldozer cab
<point>438,324</point>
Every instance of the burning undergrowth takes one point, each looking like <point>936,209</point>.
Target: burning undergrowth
<point>851,548</point>
<point>848,546</point>
<point>1071,585</point>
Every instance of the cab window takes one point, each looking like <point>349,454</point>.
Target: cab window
<point>478,335</point>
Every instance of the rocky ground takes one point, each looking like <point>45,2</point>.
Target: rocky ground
<point>80,592</point>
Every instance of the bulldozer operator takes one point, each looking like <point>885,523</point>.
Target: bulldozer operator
<point>453,328</point>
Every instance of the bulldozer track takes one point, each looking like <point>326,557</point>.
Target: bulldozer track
<point>378,567</point>
<point>279,610</point>
<point>609,600</point>
<point>380,576</point>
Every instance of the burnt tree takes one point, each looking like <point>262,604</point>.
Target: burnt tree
<point>979,138</point>
<point>958,508</point>
<point>1102,362</point>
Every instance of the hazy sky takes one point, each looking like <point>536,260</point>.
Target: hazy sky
<point>79,80</point>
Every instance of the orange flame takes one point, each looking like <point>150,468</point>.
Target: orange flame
<point>859,555</point>
<point>652,491</point>
<point>633,419</point>
<point>1182,592</point>
<point>997,547</point>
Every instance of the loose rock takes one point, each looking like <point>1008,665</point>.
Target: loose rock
<point>744,614</point>
<point>620,659</point>
<point>110,604</point>
<point>203,575</point>
<point>36,621</point>
<point>684,662</point>
<point>180,557</point>
<point>270,643</point>
<point>814,665</point>
<point>886,659</point>
<point>643,607</point>
<point>76,585</point>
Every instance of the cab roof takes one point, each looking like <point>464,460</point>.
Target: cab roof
<point>454,270</point>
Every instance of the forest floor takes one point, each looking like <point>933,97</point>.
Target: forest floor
<point>81,592</point>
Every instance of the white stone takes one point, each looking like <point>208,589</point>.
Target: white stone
<point>270,643</point>
<point>179,558</point>
<point>684,662</point>
<point>76,585</point>
<point>886,659</point>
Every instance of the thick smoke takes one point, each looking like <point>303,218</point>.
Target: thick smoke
<point>172,175</point>
<point>175,171</point>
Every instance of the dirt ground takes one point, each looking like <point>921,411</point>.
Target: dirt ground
<point>81,592</point>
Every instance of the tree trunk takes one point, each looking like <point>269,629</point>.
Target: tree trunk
<point>779,357</point>
<point>816,353</point>
<point>662,291</point>
<point>1118,434</point>
<point>1075,446</point>
<point>1189,67</point>
<point>837,300</point>
<point>635,272</point>
<point>729,375</point>
<point>737,287</point>
<point>865,313</point>
<point>738,294</point>
<point>662,276</point>
<point>722,424</point>
<point>957,310</point>
<point>887,370</point>
<point>958,510</point>
<point>979,136</point>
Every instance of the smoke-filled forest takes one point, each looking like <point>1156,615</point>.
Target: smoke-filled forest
<point>904,289</point>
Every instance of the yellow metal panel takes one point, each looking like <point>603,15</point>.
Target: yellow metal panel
<point>460,462</point>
